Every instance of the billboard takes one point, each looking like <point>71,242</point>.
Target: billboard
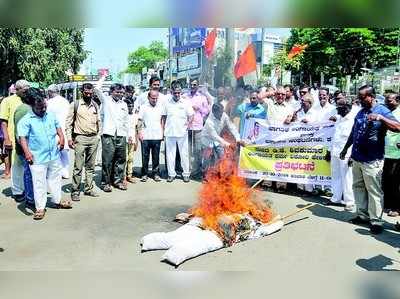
<point>188,62</point>
<point>184,39</point>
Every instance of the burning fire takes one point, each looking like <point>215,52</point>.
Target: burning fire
<point>227,194</point>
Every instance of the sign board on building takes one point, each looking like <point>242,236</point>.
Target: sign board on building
<point>78,78</point>
<point>188,62</point>
<point>184,39</point>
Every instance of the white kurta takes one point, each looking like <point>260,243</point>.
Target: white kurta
<point>342,176</point>
<point>60,106</point>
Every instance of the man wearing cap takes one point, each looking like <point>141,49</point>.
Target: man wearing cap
<point>7,110</point>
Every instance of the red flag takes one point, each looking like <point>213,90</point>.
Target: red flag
<point>246,62</point>
<point>210,43</point>
<point>296,50</point>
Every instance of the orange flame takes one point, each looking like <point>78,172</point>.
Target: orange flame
<point>225,193</point>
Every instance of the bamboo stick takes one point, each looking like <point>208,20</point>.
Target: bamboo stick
<point>298,211</point>
<point>257,183</point>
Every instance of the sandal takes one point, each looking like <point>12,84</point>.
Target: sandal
<point>393,213</point>
<point>64,204</point>
<point>39,214</point>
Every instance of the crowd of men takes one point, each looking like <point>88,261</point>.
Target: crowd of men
<point>40,128</point>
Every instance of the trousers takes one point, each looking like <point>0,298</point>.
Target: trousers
<point>85,156</point>
<point>46,175</point>
<point>64,157</point>
<point>391,184</point>
<point>17,176</point>
<point>153,147</point>
<point>113,159</point>
<point>367,188</point>
<point>28,183</point>
<point>195,150</point>
<point>170,146</point>
<point>129,159</point>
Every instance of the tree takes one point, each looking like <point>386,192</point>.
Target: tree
<point>39,55</point>
<point>338,52</point>
<point>146,57</point>
<point>223,71</point>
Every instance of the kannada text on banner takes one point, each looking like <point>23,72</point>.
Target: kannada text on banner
<point>287,153</point>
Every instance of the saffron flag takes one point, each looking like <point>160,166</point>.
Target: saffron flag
<point>209,43</point>
<point>246,62</point>
<point>296,50</point>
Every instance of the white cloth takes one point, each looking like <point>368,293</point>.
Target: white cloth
<point>17,176</point>
<point>342,182</point>
<point>324,113</point>
<point>343,128</point>
<point>311,115</point>
<point>178,115</point>
<point>64,159</point>
<point>295,104</point>
<point>315,94</point>
<point>151,118</point>
<point>60,108</point>
<point>47,175</point>
<point>277,113</point>
<point>114,116</point>
<point>213,128</point>
<point>183,145</point>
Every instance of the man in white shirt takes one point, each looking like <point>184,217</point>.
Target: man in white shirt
<point>116,129</point>
<point>178,114</point>
<point>278,110</point>
<point>59,106</point>
<point>290,99</point>
<point>211,139</point>
<point>342,177</point>
<point>325,109</point>
<point>154,84</point>
<point>151,132</point>
<point>306,115</point>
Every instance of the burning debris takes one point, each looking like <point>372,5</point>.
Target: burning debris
<point>227,212</point>
<point>226,204</point>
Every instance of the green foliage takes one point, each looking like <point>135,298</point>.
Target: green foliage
<point>39,55</point>
<point>224,70</point>
<point>338,52</point>
<point>146,57</point>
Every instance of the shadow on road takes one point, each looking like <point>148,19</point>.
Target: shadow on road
<point>7,192</point>
<point>377,263</point>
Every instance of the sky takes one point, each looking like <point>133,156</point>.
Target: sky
<point>109,47</point>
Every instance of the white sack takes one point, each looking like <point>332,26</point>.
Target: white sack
<point>203,241</point>
<point>156,241</point>
<point>266,229</point>
<point>190,240</point>
<point>198,243</point>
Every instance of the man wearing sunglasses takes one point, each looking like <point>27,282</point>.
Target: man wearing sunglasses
<point>368,139</point>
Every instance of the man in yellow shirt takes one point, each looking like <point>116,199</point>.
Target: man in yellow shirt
<point>7,110</point>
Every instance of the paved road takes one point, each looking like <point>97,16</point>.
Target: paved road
<point>104,234</point>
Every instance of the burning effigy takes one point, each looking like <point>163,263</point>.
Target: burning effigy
<point>227,211</point>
